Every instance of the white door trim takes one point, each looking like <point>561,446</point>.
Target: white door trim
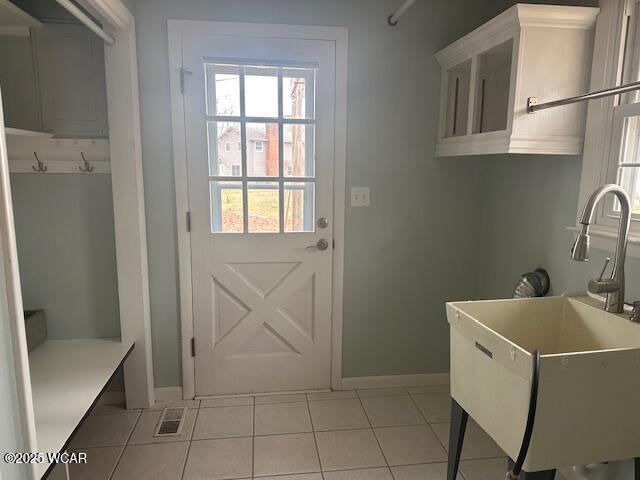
<point>339,35</point>
<point>121,72</point>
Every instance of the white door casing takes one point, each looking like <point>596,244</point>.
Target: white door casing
<point>261,301</point>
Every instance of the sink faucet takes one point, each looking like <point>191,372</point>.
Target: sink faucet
<point>614,286</point>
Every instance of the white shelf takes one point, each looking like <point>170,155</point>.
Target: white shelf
<point>18,132</point>
<point>14,20</point>
<point>67,376</point>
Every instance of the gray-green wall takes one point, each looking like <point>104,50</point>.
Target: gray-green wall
<point>529,203</point>
<point>66,252</point>
<point>416,246</point>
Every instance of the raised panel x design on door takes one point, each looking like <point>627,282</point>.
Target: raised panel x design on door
<point>259,130</point>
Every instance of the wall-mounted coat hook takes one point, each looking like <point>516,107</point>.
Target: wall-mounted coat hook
<point>86,167</point>
<point>393,18</point>
<point>40,167</point>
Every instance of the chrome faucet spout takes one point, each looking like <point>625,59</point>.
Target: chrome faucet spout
<point>613,287</point>
<point>580,250</point>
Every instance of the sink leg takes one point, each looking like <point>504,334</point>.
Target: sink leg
<point>456,437</point>
<point>541,475</point>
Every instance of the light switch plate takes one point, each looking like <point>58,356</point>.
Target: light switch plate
<point>360,196</point>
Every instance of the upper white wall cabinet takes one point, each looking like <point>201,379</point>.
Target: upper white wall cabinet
<point>541,51</point>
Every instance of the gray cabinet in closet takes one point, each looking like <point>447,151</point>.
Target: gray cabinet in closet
<point>18,82</point>
<point>70,64</point>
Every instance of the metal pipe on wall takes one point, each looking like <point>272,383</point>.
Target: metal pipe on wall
<point>73,9</point>
<point>534,106</point>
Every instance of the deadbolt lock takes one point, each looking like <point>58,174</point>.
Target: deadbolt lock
<point>322,222</point>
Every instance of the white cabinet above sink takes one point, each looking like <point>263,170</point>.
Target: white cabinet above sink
<point>541,51</point>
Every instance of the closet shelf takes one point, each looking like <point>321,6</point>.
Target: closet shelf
<point>19,132</point>
<point>67,377</point>
<point>14,20</point>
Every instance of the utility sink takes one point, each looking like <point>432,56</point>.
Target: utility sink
<point>589,392</point>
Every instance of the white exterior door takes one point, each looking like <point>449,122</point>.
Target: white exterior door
<point>259,116</point>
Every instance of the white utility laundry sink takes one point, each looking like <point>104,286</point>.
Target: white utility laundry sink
<point>589,393</point>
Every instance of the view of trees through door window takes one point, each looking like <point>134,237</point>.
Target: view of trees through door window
<point>267,184</point>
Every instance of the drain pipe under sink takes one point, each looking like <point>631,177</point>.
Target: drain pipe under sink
<point>514,474</point>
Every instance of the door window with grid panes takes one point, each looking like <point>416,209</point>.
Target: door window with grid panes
<point>269,112</point>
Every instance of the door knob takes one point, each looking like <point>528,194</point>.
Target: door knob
<point>321,244</point>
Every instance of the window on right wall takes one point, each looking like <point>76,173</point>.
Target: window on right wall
<point>612,137</point>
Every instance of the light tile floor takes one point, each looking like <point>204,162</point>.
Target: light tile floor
<point>373,434</point>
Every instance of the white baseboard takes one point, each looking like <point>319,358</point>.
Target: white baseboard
<point>383,381</point>
<point>168,394</point>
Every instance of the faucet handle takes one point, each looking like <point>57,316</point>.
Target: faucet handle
<point>604,268</point>
<point>607,285</point>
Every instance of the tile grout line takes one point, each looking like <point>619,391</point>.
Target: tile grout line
<point>377,468</point>
<point>373,430</point>
<point>241,406</point>
<point>355,395</point>
<point>193,431</point>
<point>429,426</point>
<point>393,474</point>
<point>433,432</point>
<point>126,445</point>
<point>253,438</point>
<point>276,434</point>
<point>413,400</point>
<point>445,447</point>
<point>184,462</point>
<point>315,441</point>
<point>115,465</point>
<point>135,425</point>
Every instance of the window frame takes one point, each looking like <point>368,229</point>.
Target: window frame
<point>603,126</point>
<point>261,149</point>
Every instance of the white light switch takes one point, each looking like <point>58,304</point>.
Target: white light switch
<point>360,196</point>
